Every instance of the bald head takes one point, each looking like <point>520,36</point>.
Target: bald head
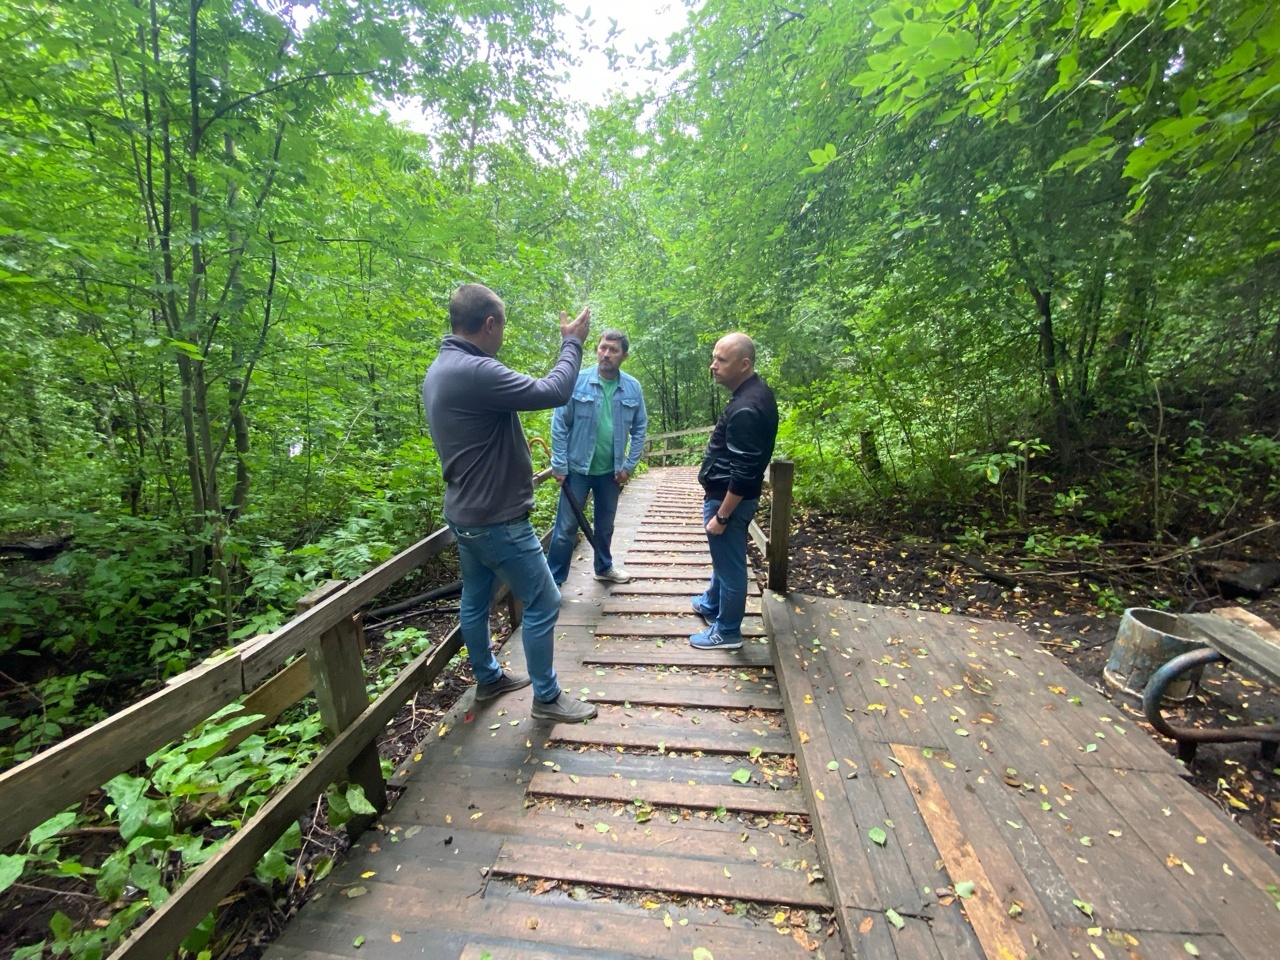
<point>733,360</point>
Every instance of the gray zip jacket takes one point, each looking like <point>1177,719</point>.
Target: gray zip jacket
<point>473,404</point>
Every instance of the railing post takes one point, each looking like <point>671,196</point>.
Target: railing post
<point>338,674</point>
<point>782,475</point>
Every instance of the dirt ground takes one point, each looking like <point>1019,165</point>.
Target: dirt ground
<point>916,567</point>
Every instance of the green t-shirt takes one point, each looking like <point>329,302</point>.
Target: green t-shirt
<point>602,458</point>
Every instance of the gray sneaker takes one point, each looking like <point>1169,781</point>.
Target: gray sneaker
<point>509,681</point>
<point>614,574</point>
<point>563,709</point>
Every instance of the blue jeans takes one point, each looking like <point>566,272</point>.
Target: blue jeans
<point>725,599</point>
<point>510,551</point>
<point>604,490</point>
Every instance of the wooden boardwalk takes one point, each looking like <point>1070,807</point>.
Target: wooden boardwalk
<point>923,754</point>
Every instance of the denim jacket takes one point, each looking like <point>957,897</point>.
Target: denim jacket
<point>573,426</point>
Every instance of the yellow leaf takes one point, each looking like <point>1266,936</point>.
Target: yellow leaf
<point>477,815</point>
<point>875,706</point>
<point>666,920</point>
<point>444,728</point>
<point>819,794</point>
<point>368,873</point>
<point>808,698</point>
<point>1238,804</point>
<point>395,938</point>
<point>804,737</point>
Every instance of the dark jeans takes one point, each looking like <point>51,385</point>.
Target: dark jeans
<point>725,599</point>
<point>512,552</point>
<point>604,489</point>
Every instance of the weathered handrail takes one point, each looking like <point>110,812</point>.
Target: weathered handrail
<point>776,544</point>
<point>668,450</point>
<point>39,788</point>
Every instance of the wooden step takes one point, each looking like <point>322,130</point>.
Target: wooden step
<point>731,879</point>
<point>677,655</point>
<point>713,735</point>
<point>667,626</point>
<point>749,799</point>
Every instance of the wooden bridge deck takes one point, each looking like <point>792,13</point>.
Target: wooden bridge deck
<point>923,753</point>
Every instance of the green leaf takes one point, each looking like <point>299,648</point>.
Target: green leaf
<point>833,765</point>
<point>878,835</point>
<point>10,869</point>
<point>702,953</point>
<point>357,801</point>
<point>358,942</point>
<point>1191,948</point>
<point>754,752</point>
<point>52,826</point>
<point>1084,907</point>
<point>964,889</point>
<point>893,917</point>
<point>741,775</point>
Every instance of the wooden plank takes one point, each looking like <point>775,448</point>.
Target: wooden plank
<point>710,738</point>
<point>845,857</point>
<point>670,551</point>
<point>632,604</point>
<point>342,696</point>
<point>666,626</point>
<point>268,655</point>
<point>677,655</point>
<point>669,588</point>
<point>760,540</point>
<point>668,794</point>
<point>781,476</point>
<point>999,935</point>
<point>657,571</point>
<point>165,929</point>
<point>1258,653</point>
<point>1198,835</point>
<point>658,691</point>
<point>272,698</point>
<point>731,879</point>
<point>48,783</point>
<point>602,928</point>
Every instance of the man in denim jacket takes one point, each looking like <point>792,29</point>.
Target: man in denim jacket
<point>590,453</point>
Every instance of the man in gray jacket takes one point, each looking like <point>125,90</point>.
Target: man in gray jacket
<point>473,404</point>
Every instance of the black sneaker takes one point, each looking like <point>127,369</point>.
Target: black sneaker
<point>509,681</point>
<point>563,709</point>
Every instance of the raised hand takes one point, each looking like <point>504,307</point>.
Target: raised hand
<point>578,328</point>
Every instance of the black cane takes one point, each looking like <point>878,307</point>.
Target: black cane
<point>576,507</point>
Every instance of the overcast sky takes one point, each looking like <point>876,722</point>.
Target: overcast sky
<point>636,22</point>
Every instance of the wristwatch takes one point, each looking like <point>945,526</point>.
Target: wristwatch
<point>723,521</point>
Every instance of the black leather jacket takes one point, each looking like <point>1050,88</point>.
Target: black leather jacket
<point>742,443</point>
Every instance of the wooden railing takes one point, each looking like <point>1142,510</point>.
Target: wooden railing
<point>667,450</point>
<point>775,546</point>
<point>259,670</point>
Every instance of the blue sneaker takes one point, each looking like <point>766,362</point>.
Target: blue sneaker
<point>703,612</point>
<point>711,639</point>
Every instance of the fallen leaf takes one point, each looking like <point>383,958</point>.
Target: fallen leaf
<point>892,916</point>
<point>357,891</point>
<point>395,937</point>
<point>877,835</point>
<point>867,923</point>
<point>1084,907</point>
<point>964,889</point>
<point>358,942</point>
